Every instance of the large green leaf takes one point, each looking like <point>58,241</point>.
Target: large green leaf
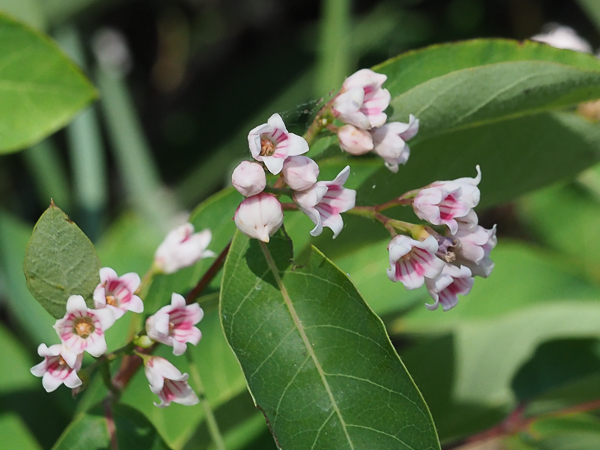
<point>60,261</point>
<point>463,85</point>
<point>316,358</point>
<point>14,433</point>
<point>40,88</point>
<point>90,430</point>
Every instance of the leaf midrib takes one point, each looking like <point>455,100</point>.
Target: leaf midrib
<point>305,340</point>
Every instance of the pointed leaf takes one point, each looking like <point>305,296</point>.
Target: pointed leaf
<point>317,359</point>
<point>60,261</point>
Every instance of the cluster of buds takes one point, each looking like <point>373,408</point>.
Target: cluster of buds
<point>261,214</point>
<point>360,105</point>
<point>83,329</point>
<point>446,263</point>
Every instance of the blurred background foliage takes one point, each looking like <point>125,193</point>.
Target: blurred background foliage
<point>181,83</point>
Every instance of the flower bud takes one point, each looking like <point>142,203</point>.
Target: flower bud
<point>300,172</point>
<point>259,216</point>
<point>354,140</point>
<point>249,178</point>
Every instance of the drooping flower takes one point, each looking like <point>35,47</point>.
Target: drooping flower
<point>82,329</point>
<point>174,324</point>
<point>55,370</point>
<point>249,178</point>
<point>271,143</point>
<point>168,383</point>
<point>259,216</point>
<point>362,100</point>
<point>389,141</point>
<point>300,172</point>
<point>474,247</point>
<point>560,36</point>
<point>118,293</point>
<point>445,288</point>
<point>182,248</point>
<point>325,201</point>
<point>411,261</point>
<point>354,140</point>
<point>442,202</point>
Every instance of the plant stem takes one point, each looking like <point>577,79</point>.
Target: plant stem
<point>105,371</point>
<point>208,276</point>
<point>276,190</point>
<point>211,421</point>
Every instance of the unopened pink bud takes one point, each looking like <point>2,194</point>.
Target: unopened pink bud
<point>300,172</point>
<point>259,216</point>
<point>249,178</point>
<point>354,140</point>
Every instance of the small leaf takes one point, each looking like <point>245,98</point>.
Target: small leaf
<point>60,261</point>
<point>316,358</point>
<point>41,89</point>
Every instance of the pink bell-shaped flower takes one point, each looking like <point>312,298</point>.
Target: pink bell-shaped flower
<point>272,143</point>
<point>249,178</point>
<point>354,140</point>
<point>54,370</point>
<point>443,202</point>
<point>362,100</point>
<point>259,216</point>
<point>389,141</point>
<point>445,288</point>
<point>82,329</point>
<point>168,383</point>
<point>325,201</point>
<point>182,248</point>
<point>411,261</point>
<point>174,324</point>
<point>118,293</point>
<point>300,172</point>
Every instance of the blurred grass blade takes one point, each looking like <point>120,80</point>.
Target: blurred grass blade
<point>86,150</point>
<point>48,174</point>
<point>334,63</point>
<point>592,8</point>
<point>132,152</point>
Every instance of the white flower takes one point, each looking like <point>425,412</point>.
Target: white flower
<point>300,172</point>
<point>271,143</point>
<point>168,382</point>
<point>82,329</point>
<point>249,178</point>
<point>389,141</point>
<point>411,261</point>
<point>565,38</point>
<point>442,202</point>
<point>474,247</point>
<point>355,140</point>
<point>362,100</point>
<point>54,369</point>
<point>118,293</point>
<point>259,216</point>
<point>174,324</point>
<point>445,288</point>
<point>324,202</point>
<point>182,248</point>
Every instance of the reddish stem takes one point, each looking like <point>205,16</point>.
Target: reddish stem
<point>208,276</point>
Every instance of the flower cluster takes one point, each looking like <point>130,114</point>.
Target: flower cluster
<point>261,214</point>
<point>83,329</point>
<point>447,263</point>
<point>360,105</point>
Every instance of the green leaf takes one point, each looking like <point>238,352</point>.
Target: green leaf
<point>41,89</point>
<point>316,358</point>
<point>462,85</point>
<point>90,431</point>
<point>60,261</point>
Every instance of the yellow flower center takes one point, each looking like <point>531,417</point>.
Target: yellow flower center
<point>267,147</point>
<point>83,327</point>
<point>111,300</point>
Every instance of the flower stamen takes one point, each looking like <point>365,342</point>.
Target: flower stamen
<point>83,327</point>
<point>267,146</point>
